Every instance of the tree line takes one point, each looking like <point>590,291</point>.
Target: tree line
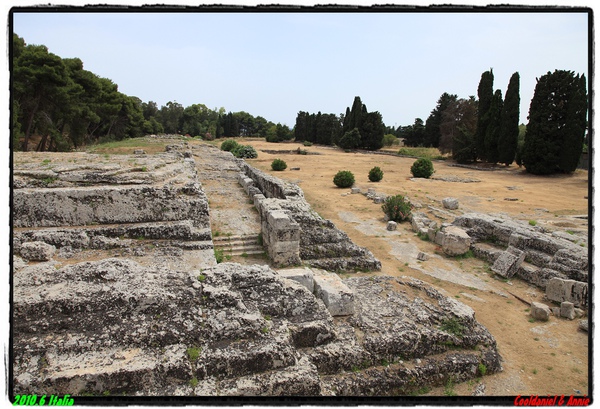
<point>487,129</point>
<point>357,129</point>
<point>67,107</point>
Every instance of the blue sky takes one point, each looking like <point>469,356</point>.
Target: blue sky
<point>276,64</point>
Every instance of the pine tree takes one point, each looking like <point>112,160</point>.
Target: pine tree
<point>557,123</point>
<point>509,123</point>
<point>493,128</point>
<point>485,93</point>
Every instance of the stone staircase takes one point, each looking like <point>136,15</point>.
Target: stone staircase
<point>237,245</point>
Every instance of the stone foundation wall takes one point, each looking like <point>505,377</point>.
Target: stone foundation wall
<point>293,233</point>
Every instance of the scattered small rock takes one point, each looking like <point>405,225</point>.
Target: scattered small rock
<point>378,200</point>
<point>294,168</point>
<point>355,190</point>
<point>479,390</point>
<point>583,325</point>
<point>392,225</point>
<point>511,199</point>
<point>139,152</point>
<point>422,256</point>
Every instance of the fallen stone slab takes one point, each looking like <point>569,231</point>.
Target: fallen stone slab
<point>539,311</point>
<point>330,288</point>
<point>304,276</point>
<point>450,203</point>
<point>456,241</point>
<point>567,310</point>
<point>508,262</point>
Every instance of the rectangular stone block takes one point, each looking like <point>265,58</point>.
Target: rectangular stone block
<point>560,290</point>
<point>336,295</point>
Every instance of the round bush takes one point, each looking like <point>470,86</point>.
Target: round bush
<point>229,145</point>
<point>244,152</point>
<point>422,168</point>
<point>375,174</point>
<point>344,178</point>
<point>397,208</point>
<point>278,164</point>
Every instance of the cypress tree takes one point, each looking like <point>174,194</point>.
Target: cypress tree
<point>493,128</point>
<point>432,133</point>
<point>557,123</point>
<point>372,131</point>
<point>509,123</point>
<point>485,93</point>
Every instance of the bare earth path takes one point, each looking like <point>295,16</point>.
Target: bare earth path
<point>232,215</point>
<point>539,358</point>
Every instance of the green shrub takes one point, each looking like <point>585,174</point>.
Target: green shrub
<point>396,208</point>
<point>308,143</point>
<point>422,168</point>
<point>229,145</point>
<point>344,178</point>
<point>244,152</point>
<point>389,139</point>
<point>278,165</point>
<point>375,174</point>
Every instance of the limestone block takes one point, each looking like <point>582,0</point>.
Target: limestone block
<point>355,190</point>
<point>336,296</point>
<point>392,225</point>
<point>567,310</point>
<point>279,220</point>
<point>304,276</point>
<point>540,311</point>
<point>37,251</point>
<point>583,325</point>
<point>456,241</point>
<point>422,256</point>
<point>378,200</point>
<point>560,290</point>
<point>432,230</point>
<point>508,262</point>
<point>450,203</point>
<point>290,234</point>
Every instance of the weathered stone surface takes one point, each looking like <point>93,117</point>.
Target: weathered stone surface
<point>450,203</point>
<point>567,310</point>
<point>37,251</point>
<point>539,311</point>
<point>508,262</point>
<point>355,190</point>
<point>336,296</point>
<point>583,325</point>
<point>456,241</point>
<point>391,225</point>
<point>560,290</point>
<point>548,256</point>
<point>423,322</point>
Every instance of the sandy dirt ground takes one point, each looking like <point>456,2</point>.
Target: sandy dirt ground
<point>540,358</point>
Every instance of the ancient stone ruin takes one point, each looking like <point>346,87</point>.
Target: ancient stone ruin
<point>116,291</point>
